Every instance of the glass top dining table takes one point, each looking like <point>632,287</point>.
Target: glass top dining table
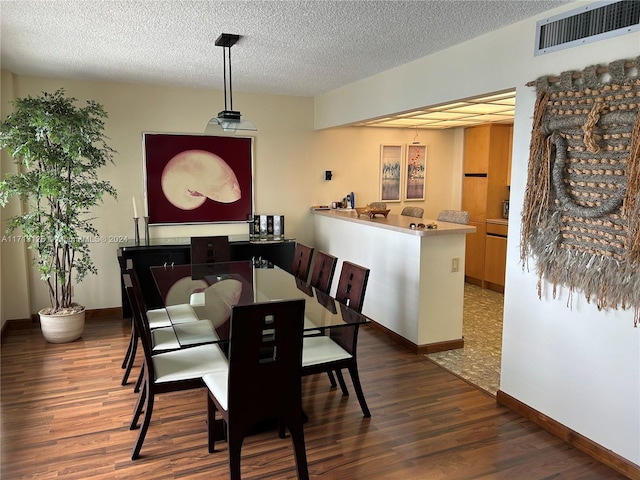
<point>210,290</point>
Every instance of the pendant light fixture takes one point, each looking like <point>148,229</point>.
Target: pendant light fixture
<point>229,119</point>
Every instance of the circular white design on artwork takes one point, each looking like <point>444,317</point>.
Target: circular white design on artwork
<point>192,176</point>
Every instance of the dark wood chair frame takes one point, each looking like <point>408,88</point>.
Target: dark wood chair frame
<point>350,292</point>
<point>264,378</point>
<point>132,348</point>
<point>149,388</point>
<point>301,265</point>
<point>210,249</point>
<point>324,267</point>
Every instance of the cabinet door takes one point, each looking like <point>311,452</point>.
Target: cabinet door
<point>474,197</point>
<point>495,259</point>
<point>475,253</point>
<point>476,149</point>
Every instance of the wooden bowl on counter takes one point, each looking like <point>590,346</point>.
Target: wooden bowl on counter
<point>363,210</point>
<point>371,212</point>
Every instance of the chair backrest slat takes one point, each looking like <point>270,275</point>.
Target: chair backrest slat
<point>352,285</point>
<point>301,264</point>
<point>324,267</point>
<point>265,357</point>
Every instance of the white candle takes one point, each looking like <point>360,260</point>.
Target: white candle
<point>146,205</point>
<point>135,210</point>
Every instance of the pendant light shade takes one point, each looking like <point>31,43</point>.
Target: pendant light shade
<point>228,124</point>
<point>229,120</point>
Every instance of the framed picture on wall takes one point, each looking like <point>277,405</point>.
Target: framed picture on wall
<point>193,178</point>
<point>390,172</point>
<point>415,172</point>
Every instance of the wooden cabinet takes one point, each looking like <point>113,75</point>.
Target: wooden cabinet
<point>495,256</point>
<point>474,254</point>
<point>487,158</point>
<point>476,149</point>
<point>474,197</point>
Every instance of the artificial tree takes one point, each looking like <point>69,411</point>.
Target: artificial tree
<point>59,148</point>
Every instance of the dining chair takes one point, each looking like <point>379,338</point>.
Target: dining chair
<point>210,249</point>
<point>172,371</point>
<point>163,334</point>
<point>338,349</point>
<point>185,331</point>
<point>263,381</point>
<point>132,348</point>
<point>158,318</point>
<point>454,216</point>
<point>301,264</point>
<point>324,267</point>
<point>413,212</point>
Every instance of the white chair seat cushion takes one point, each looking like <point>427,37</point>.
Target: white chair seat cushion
<point>164,339</point>
<point>181,313</point>
<point>191,333</point>
<point>172,314</point>
<point>218,384</point>
<point>319,350</point>
<point>183,334</point>
<point>188,363</point>
<point>158,318</point>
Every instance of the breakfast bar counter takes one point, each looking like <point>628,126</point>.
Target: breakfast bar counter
<point>416,284</point>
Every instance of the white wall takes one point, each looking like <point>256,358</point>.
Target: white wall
<point>289,164</point>
<point>575,364</point>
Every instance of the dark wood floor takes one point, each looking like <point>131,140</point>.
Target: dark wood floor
<point>65,416</point>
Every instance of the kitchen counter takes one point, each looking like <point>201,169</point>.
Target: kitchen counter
<point>399,223</point>
<point>416,284</point>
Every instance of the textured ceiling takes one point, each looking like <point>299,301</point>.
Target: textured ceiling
<point>287,47</point>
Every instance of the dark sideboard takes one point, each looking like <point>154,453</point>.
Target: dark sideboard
<point>177,251</point>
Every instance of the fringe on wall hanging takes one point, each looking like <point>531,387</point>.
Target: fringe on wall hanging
<point>581,215</point>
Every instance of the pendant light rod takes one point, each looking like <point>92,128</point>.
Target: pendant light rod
<point>226,41</point>
<point>228,120</point>
<point>230,88</point>
<point>224,75</point>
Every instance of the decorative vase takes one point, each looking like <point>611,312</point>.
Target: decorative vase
<point>62,328</point>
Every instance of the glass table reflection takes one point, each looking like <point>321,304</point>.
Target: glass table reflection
<point>210,290</point>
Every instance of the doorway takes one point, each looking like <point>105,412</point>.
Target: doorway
<point>479,361</point>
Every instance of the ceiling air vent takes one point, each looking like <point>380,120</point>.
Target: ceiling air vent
<point>594,22</point>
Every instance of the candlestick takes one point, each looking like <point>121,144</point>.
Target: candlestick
<point>135,209</point>
<point>146,230</point>
<point>136,231</point>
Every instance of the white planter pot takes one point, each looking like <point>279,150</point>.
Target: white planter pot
<point>62,328</point>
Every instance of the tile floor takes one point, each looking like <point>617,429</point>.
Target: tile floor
<point>479,361</point>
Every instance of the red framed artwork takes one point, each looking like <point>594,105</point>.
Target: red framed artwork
<point>197,178</point>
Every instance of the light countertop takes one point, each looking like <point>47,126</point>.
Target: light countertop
<point>399,223</point>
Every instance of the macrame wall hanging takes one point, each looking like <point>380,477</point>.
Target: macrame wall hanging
<point>581,215</point>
